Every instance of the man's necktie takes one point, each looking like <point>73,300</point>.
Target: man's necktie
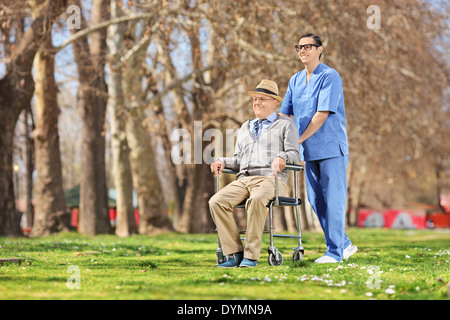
<point>257,126</point>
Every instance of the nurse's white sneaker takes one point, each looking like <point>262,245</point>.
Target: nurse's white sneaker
<point>349,251</point>
<point>326,259</point>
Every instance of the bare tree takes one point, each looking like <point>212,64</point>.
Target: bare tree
<point>50,210</point>
<point>92,99</point>
<point>126,223</point>
<point>16,91</point>
<point>29,165</point>
<point>151,200</point>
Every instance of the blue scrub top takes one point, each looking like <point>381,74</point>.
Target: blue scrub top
<point>323,93</point>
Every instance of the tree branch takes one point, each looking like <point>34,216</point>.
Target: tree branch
<point>99,26</point>
<point>176,83</point>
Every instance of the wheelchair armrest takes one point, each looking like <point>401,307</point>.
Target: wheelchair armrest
<point>295,167</point>
<point>225,170</point>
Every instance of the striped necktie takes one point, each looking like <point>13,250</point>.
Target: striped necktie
<point>257,125</point>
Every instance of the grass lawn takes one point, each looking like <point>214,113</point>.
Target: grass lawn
<point>390,264</point>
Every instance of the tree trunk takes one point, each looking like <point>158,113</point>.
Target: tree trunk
<point>126,223</point>
<point>10,106</point>
<point>152,207</point>
<point>359,185</point>
<point>50,209</point>
<point>151,202</point>
<point>16,92</point>
<point>200,186</point>
<point>28,216</point>
<point>195,216</point>
<point>92,97</point>
<point>309,220</point>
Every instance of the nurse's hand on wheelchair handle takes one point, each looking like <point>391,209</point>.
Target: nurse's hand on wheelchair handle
<point>217,167</point>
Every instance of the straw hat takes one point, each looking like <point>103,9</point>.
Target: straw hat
<point>267,87</point>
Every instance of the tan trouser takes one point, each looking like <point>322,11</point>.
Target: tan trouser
<point>259,190</point>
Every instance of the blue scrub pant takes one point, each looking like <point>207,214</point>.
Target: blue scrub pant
<point>326,186</point>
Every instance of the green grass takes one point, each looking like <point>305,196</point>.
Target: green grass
<point>407,264</point>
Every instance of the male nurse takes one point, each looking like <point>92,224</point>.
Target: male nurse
<point>316,100</point>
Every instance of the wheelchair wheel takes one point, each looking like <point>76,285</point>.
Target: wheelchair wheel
<point>275,260</point>
<point>297,256</point>
<point>220,257</point>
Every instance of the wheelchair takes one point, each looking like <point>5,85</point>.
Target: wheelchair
<point>275,256</point>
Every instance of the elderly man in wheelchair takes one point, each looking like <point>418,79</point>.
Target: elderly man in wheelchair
<point>264,146</point>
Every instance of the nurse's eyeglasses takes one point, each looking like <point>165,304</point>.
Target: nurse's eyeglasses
<point>307,47</point>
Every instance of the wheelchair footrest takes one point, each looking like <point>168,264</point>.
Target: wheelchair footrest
<point>283,201</point>
<point>286,201</point>
<point>243,231</point>
<point>287,236</point>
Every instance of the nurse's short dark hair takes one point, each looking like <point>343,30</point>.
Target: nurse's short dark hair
<point>316,38</point>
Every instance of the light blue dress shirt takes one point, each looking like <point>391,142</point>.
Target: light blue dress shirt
<point>323,93</point>
<point>265,124</point>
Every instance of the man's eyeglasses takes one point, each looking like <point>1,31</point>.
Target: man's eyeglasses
<point>255,100</point>
<point>307,47</point>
